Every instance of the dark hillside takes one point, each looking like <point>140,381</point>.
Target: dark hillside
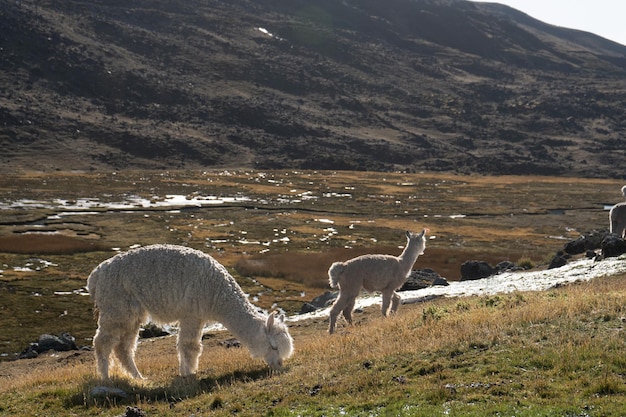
<point>441,85</point>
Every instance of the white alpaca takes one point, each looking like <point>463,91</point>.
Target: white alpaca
<point>176,284</point>
<point>617,217</point>
<point>384,273</point>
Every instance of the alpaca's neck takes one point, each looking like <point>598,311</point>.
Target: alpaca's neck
<point>239,316</point>
<point>409,255</point>
<point>245,326</point>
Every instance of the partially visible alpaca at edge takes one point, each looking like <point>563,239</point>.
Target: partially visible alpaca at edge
<point>384,273</point>
<point>176,284</point>
<point>617,217</point>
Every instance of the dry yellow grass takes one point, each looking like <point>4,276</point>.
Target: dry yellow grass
<point>556,346</point>
<point>551,343</point>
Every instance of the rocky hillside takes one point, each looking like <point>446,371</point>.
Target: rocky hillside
<point>438,85</point>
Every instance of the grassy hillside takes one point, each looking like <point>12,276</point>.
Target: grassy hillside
<point>557,353</point>
<point>552,353</point>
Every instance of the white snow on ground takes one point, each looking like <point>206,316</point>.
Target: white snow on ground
<point>580,270</point>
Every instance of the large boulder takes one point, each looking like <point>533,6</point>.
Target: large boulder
<point>46,342</point>
<point>321,301</point>
<point>151,330</point>
<point>507,266</point>
<point>559,260</point>
<point>613,245</point>
<point>576,246</point>
<point>423,278</point>
<point>472,270</point>
<point>588,242</point>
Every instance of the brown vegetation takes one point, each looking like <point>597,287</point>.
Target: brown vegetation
<point>552,353</point>
<point>46,244</point>
<point>424,85</point>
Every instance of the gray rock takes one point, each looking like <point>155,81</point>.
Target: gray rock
<point>63,343</point>
<point>558,261</point>
<point>613,245</point>
<point>423,278</point>
<point>472,270</point>
<point>103,391</point>
<point>321,301</point>
<point>507,266</point>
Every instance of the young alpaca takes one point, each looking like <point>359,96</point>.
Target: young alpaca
<point>176,284</point>
<point>384,273</point>
<point>617,217</point>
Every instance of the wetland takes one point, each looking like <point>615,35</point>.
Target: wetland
<point>277,232</point>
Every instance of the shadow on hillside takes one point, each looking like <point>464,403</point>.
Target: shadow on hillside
<point>123,392</point>
<point>209,384</point>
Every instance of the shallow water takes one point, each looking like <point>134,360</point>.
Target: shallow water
<point>131,202</point>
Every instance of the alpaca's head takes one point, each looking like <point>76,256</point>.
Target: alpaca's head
<point>417,239</point>
<point>279,342</point>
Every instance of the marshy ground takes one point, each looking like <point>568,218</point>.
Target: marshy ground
<point>276,231</point>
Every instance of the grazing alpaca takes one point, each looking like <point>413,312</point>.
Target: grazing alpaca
<point>617,217</point>
<point>176,284</point>
<point>384,273</point>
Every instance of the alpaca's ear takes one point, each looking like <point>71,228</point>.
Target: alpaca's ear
<point>408,234</point>
<point>281,318</point>
<point>270,322</point>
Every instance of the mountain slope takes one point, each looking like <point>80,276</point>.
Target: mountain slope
<point>417,85</point>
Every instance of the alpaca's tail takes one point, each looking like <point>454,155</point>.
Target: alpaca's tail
<point>91,287</point>
<point>92,284</point>
<point>334,273</point>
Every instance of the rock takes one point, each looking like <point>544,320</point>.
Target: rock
<point>134,412</point>
<point>325,299</point>
<point>321,301</point>
<point>308,308</point>
<point>472,270</point>
<point>62,343</point>
<point>558,261</point>
<point>507,266</point>
<point>315,390</point>
<point>613,245</point>
<point>400,379</point>
<point>46,342</point>
<point>576,246</point>
<point>588,242</point>
<point>28,353</point>
<point>231,343</point>
<point>103,391</point>
<point>423,278</point>
<point>151,330</point>
<point>594,239</point>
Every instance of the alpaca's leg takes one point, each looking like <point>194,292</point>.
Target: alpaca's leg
<point>386,302</point>
<point>617,225</point>
<point>395,302</point>
<point>613,222</point>
<point>189,346</point>
<point>334,312</point>
<point>617,218</point>
<point>347,311</point>
<point>125,348</point>
<point>621,228</point>
<point>103,345</point>
<point>342,302</point>
<point>107,336</point>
